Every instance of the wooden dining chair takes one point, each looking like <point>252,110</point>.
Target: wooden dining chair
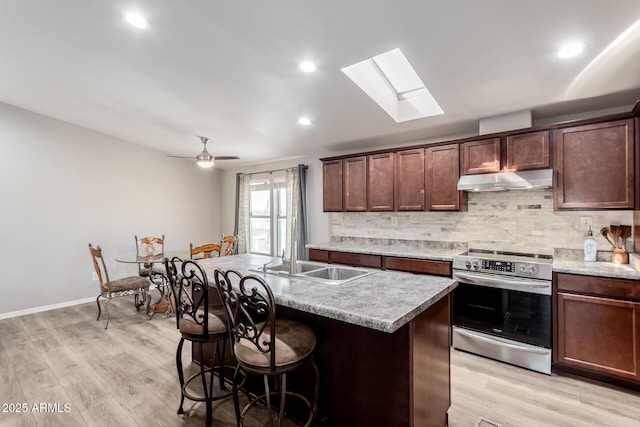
<point>152,248</point>
<point>208,250</point>
<point>229,244</point>
<point>109,289</point>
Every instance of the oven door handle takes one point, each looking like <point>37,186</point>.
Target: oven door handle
<point>499,343</point>
<point>485,279</point>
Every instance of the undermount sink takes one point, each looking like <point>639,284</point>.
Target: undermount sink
<point>283,267</point>
<point>315,272</point>
<point>336,275</point>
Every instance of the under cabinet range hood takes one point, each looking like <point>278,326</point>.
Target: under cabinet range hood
<point>522,180</point>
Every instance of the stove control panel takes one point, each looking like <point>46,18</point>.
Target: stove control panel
<point>491,265</point>
<point>511,267</point>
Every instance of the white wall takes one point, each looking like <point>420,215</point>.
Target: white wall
<point>318,221</point>
<point>62,187</point>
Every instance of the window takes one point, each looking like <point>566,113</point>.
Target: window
<point>267,215</point>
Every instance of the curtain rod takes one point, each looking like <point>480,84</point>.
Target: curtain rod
<point>275,170</point>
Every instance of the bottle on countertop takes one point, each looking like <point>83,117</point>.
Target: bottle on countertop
<point>590,247</point>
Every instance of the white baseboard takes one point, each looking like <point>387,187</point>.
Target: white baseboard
<point>45,308</point>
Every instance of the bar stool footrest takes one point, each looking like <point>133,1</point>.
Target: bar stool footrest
<point>299,396</point>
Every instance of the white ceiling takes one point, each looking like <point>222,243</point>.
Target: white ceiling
<point>228,69</point>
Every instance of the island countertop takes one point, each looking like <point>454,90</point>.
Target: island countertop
<point>383,301</point>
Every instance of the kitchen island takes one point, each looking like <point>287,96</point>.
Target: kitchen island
<point>382,342</point>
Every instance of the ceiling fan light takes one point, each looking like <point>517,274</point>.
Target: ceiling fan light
<point>204,160</point>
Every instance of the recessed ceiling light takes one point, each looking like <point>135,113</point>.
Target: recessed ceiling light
<point>570,50</point>
<point>304,121</point>
<point>307,66</point>
<point>136,20</point>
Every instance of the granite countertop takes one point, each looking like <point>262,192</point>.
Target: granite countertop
<point>398,248</point>
<point>599,268</point>
<point>384,300</point>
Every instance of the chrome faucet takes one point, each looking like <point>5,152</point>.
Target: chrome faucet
<point>265,265</point>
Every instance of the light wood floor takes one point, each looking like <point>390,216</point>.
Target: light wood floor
<point>508,396</point>
<point>126,376</point>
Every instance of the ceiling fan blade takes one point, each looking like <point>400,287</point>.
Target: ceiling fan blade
<point>226,158</point>
<point>182,157</point>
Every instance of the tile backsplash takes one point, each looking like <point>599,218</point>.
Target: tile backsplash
<point>508,220</point>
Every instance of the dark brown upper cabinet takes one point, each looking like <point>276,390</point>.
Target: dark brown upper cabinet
<point>442,178</point>
<point>594,165</point>
<point>410,180</point>
<point>381,181</point>
<point>355,184</point>
<point>527,151</point>
<point>332,186</point>
<point>480,156</point>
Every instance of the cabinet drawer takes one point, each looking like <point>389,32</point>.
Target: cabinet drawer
<point>614,288</point>
<point>438,268</point>
<point>357,260</point>
<point>318,255</point>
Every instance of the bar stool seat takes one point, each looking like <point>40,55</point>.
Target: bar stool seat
<point>294,343</point>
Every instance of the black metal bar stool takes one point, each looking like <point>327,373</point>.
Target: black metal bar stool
<point>263,344</point>
<point>199,323</point>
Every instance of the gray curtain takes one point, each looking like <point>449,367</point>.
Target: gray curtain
<point>302,212</point>
<point>241,228</point>
<point>236,225</point>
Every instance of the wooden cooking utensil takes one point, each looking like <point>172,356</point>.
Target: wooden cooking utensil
<point>624,235</point>
<point>615,235</point>
<point>606,233</point>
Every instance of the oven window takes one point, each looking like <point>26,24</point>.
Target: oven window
<point>519,316</point>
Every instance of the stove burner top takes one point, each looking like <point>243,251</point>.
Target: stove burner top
<point>481,253</point>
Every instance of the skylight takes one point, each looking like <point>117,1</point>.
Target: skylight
<point>390,80</point>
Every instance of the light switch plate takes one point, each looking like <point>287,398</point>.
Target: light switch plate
<point>586,222</point>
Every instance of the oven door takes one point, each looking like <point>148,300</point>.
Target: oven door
<point>515,315</point>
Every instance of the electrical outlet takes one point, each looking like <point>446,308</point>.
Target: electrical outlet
<point>586,223</point>
<point>394,221</point>
<point>94,276</point>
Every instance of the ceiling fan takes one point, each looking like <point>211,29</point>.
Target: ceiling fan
<point>204,159</point>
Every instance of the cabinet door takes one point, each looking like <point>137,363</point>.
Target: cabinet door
<point>355,184</point>
<point>381,181</point>
<point>410,180</point>
<point>332,186</point>
<point>442,178</point>
<point>481,156</point>
<point>599,335</point>
<point>528,151</point>
<point>595,166</point>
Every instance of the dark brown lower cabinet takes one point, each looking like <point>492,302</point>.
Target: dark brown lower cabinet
<point>318,255</point>
<point>355,259</point>
<point>409,265</point>
<point>597,331</point>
